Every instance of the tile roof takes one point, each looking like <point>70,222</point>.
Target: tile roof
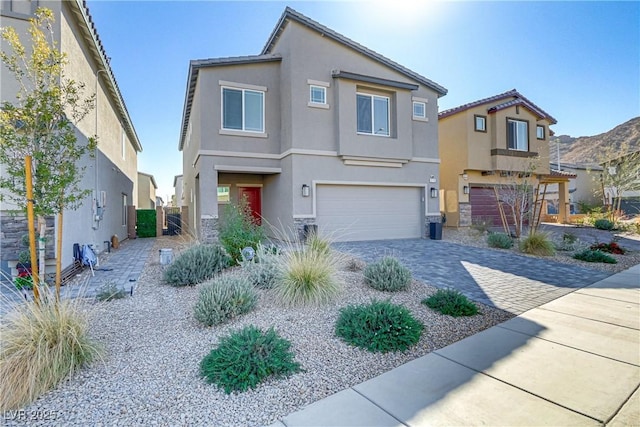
<point>519,99</point>
<point>561,174</point>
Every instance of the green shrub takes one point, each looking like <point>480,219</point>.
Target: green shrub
<point>247,357</point>
<point>481,225</point>
<point>224,298</point>
<point>110,291</point>
<point>499,240</point>
<point>318,244</point>
<point>378,327</point>
<point>307,277</point>
<point>196,264</point>
<point>23,282</point>
<point>537,244</point>
<point>42,344</point>
<point>146,222</point>
<point>569,242</point>
<point>451,302</point>
<point>603,224</point>
<point>263,270</point>
<point>238,230</point>
<point>387,275</point>
<point>595,256</point>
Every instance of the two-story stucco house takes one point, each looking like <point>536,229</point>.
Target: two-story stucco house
<point>315,130</point>
<point>146,191</point>
<point>112,174</point>
<point>490,144</point>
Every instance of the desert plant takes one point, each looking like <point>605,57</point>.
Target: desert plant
<point>247,357</point>
<point>307,276</point>
<point>378,327</point>
<point>499,240</point>
<point>537,244</point>
<point>225,297</point>
<point>42,344</point>
<point>196,264</point>
<point>481,225</point>
<point>354,264</point>
<point>110,291</point>
<point>317,243</point>
<point>569,242</point>
<point>238,230</point>
<point>451,302</point>
<point>387,274</point>
<point>589,255</point>
<point>603,224</point>
<point>611,247</point>
<point>264,269</point>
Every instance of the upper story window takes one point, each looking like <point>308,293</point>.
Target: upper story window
<point>480,123</point>
<point>517,135</point>
<point>318,95</point>
<point>419,110</point>
<point>242,109</point>
<point>372,114</point>
<point>539,132</point>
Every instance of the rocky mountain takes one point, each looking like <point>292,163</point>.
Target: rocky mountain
<point>587,149</point>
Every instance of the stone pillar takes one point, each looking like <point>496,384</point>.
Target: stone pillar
<point>159,220</point>
<point>131,222</point>
<point>209,230</point>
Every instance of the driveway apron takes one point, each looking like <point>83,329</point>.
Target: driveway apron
<point>497,278</point>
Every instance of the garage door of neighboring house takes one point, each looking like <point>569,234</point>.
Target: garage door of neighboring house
<point>347,212</point>
<point>484,206</point>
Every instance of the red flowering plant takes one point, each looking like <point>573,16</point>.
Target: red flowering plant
<point>611,247</point>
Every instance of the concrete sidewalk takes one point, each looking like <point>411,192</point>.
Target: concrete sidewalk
<point>572,361</point>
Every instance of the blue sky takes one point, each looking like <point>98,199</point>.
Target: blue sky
<point>579,61</point>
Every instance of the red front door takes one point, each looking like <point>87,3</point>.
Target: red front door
<point>252,195</point>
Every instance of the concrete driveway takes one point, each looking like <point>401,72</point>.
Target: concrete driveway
<point>511,282</point>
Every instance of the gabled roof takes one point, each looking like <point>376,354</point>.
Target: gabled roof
<point>148,175</point>
<point>90,35</point>
<point>519,100</point>
<point>175,180</point>
<point>194,68</point>
<point>290,14</point>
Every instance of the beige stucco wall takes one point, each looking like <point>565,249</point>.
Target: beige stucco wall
<point>146,192</point>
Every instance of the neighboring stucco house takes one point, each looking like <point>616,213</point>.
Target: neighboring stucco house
<point>112,174</point>
<point>316,130</point>
<point>177,187</point>
<point>146,191</point>
<point>492,144</point>
<point>630,194</point>
<point>585,187</point>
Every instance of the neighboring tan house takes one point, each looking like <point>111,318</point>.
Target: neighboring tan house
<point>112,174</point>
<point>584,188</point>
<point>146,191</point>
<point>488,146</point>
<point>177,186</point>
<point>316,131</point>
<point>630,196</point>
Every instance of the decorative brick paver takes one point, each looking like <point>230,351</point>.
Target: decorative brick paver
<point>512,282</point>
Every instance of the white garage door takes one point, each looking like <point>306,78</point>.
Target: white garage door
<point>347,212</point>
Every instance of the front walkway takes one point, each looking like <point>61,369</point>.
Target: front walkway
<point>121,267</point>
<point>572,361</point>
<point>511,282</point>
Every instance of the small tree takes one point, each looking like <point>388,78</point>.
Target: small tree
<point>40,123</point>
<point>516,193</point>
<point>620,173</point>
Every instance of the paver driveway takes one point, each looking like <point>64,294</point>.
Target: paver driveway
<point>501,279</point>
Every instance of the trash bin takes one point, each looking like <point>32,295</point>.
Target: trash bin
<point>435,230</point>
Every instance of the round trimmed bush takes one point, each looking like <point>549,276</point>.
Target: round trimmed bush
<point>247,357</point>
<point>499,240</point>
<point>387,275</point>
<point>224,298</point>
<point>603,224</point>
<point>451,302</point>
<point>589,255</point>
<point>378,327</point>
<point>196,264</point>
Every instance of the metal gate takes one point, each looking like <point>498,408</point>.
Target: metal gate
<point>173,222</point>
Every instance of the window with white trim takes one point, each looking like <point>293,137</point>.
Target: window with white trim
<point>124,209</point>
<point>518,135</point>
<point>419,110</point>
<point>317,94</point>
<point>224,193</point>
<point>242,109</point>
<point>480,123</point>
<point>539,132</point>
<point>372,114</point>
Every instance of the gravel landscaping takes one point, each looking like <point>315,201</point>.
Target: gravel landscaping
<point>153,347</point>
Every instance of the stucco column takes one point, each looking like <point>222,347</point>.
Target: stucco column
<point>563,202</point>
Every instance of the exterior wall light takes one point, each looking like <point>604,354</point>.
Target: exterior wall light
<point>433,192</point>
<point>465,176</point>
<point>306,191</point>
<point>465,189</point>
